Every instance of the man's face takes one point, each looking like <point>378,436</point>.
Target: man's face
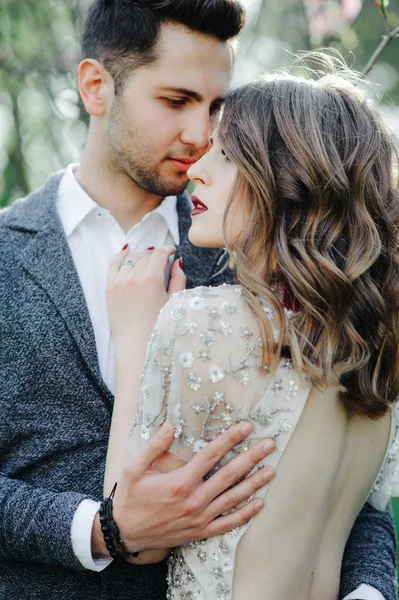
<point>162,120</point>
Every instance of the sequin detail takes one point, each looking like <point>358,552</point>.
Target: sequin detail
<point>203,373</point>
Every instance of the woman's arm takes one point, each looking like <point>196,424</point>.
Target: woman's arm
<point>135,295</point>
<point>200,376</point>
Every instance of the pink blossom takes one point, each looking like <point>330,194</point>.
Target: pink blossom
<point>328,16</point>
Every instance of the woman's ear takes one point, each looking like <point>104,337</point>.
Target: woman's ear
<point>96,86</point>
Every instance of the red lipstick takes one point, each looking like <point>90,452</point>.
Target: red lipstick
<point>199,207</point>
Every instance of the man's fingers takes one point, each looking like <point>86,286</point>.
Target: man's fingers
<point>167,463</point>
<point>230,473</point>
<point>209,456</point>
<point>233,520</point>
<point>154,448</point>
<point>239,493</point>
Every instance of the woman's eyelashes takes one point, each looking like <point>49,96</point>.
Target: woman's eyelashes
<point>217,148</point>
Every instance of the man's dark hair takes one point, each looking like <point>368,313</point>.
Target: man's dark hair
<point>123,34</point>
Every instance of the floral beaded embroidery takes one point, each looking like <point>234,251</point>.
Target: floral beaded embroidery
<point>203,373</point>
<point>199,323</point>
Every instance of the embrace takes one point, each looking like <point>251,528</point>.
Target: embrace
<point>230,361</point>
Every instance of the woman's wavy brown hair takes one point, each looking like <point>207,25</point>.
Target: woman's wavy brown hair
<point>317,169</point>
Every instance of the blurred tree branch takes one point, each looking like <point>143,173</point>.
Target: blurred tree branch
<point>386,38</point>
<point>18,149</point>
<point>389,35</point>
<point>306,34</point>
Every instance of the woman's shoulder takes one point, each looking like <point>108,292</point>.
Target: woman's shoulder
<point>202,297</point>
<point>207,291</point>
<point>226,303</point>
<point>218,314</point>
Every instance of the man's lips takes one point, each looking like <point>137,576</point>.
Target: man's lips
<point>199,207</point>
<point>183,164</point>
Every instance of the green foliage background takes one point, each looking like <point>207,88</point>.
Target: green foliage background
<point>42,121</point>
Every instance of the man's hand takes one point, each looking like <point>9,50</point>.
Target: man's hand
<point>162,510</point>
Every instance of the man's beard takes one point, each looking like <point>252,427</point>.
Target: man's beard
<point>150,179</point>
<point>137,164</point>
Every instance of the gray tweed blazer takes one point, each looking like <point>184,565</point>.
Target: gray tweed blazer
<point>55,417</point>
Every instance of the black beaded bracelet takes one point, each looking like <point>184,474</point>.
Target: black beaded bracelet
<point>110,530</point>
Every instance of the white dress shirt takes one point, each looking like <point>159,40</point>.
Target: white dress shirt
<point>94,237</point>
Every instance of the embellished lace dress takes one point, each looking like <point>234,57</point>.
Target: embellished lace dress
<point>203,374</point>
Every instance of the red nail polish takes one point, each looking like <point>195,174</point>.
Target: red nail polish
<point>125,247</point>
<point>181,263</point>
<point>152,248</point>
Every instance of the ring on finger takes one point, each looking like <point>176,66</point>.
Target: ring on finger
<point>129,262</point>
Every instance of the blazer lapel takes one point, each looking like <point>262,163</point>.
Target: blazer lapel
<point>41,247</point>
<point>200,264</point>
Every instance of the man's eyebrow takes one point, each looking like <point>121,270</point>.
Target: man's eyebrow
<point>191,94</point>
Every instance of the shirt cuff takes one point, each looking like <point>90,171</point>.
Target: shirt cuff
<point>365,592</point>
<point>81,529</point>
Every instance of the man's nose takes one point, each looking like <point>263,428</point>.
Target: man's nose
<point>197,131</point>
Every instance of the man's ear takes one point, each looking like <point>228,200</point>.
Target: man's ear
<point>96,86</point>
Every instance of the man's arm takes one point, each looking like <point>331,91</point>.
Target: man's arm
<point>36,524</point>
<point>159,511</point>
<point>370,554</point>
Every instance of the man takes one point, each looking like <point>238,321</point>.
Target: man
<point>153,82</point>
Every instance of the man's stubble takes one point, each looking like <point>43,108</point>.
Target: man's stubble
<point>133,155</point>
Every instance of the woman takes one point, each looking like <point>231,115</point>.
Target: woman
<point>299,185</point>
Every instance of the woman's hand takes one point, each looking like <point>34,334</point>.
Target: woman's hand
<point>136,293</point>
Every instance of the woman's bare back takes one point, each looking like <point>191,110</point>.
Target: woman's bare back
<point>294,547</point>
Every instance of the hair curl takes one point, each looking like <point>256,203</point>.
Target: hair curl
<point>318,169</point>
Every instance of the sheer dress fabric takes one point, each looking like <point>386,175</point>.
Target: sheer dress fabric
<point>203,374</point>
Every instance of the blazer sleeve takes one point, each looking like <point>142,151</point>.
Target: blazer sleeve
<point>35,524</point>
<point>370,554</point>
<point>35,518</point>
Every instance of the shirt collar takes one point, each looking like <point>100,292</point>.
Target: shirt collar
<point>74,204</point>
<point>168,210</point>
